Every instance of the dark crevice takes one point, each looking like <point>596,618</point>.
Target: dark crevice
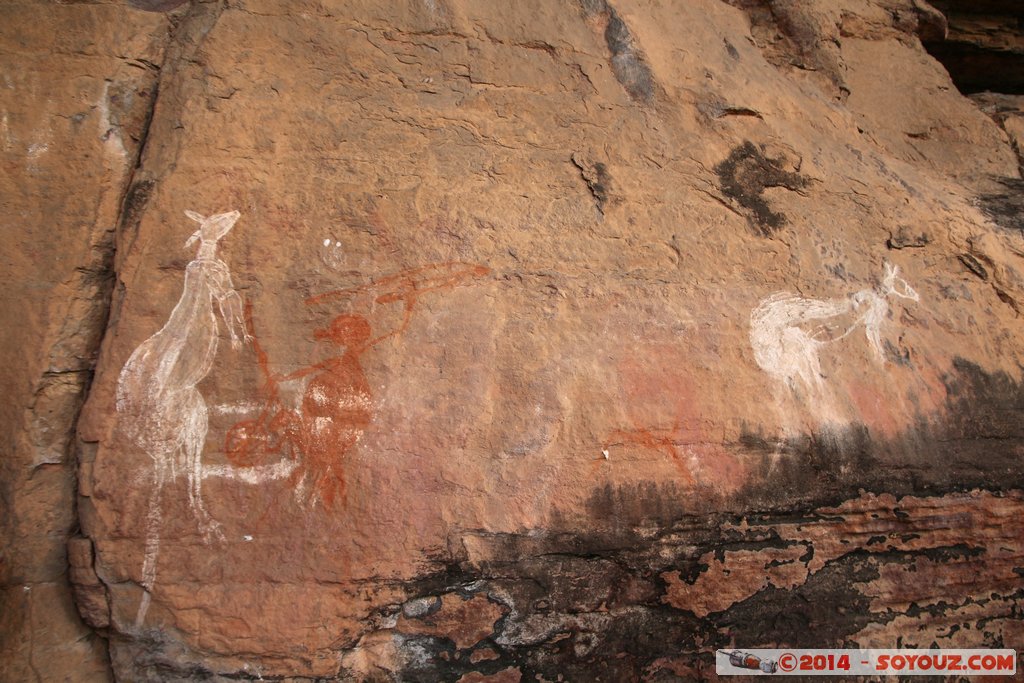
<point>976,69</point>
<point>983,49</point>
<point>90,596</point>
<point>597,178</point>
<point>85,596</point>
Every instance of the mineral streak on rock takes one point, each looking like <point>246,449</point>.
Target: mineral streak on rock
<point>517,396</point>
<point>156,5</point>
<point>627,60</point>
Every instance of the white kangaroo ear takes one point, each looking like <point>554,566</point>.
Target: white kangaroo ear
<point>219,225</point>
<point>197,217</point>
<point>891,272</point>
<point>228,217</point>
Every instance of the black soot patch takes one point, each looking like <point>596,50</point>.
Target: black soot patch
<point>744,176</point>
<point>1006,208</point>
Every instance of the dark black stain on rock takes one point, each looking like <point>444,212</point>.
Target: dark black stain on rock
<point>1005,207</point>
<point>627,60</point>
<point>985,414</point>
<point>731,49</point>
<point>825,465</point>
<point>744,176</point>
<point>897,354</point>
<point>612,509</point>
<point>596,615</point>
<point>628,64</point>
<point>591,606</point>
<point>827,608</point>
<point>975,442</point>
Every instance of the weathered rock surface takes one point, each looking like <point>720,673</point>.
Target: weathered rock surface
<point>76,85</point>
<point>571,338</point>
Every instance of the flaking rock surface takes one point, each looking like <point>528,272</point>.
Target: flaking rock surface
<point>479,341</point>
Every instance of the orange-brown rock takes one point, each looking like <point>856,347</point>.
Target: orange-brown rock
<point>926,553</point>
<point>462,340</point>
<point>509,675</point>
<point>742,574</point>
<point>463,621</point>
<point>77,85</point>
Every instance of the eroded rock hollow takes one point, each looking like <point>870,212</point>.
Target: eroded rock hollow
<point>457,340</point>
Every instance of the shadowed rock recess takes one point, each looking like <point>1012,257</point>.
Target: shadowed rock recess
<point>453,340</point>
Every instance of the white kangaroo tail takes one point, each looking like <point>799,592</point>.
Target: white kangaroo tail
<point>153,520</point>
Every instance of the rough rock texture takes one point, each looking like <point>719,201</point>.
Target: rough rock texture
<point>77,83</point>
<point>503,341</point>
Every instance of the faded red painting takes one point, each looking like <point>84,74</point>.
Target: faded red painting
<point>664,417</point>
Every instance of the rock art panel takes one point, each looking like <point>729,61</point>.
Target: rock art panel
<point>570,469</point>
<point>164,415</point>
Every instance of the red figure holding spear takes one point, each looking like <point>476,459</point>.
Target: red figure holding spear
<point>337,404</point>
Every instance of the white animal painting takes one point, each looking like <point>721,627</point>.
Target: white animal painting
<point>787,332</point>
<point>161,411</point>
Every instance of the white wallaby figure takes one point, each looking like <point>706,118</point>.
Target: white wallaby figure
<point>161,411</point>
<point>786,350</point>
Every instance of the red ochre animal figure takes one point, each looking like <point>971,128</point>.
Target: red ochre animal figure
<point>660,441</point>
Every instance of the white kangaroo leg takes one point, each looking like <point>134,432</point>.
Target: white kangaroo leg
<point>193,437</point>
<point>207,524</point>
<point>153,522</point>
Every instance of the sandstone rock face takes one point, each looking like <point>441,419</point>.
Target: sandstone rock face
<point>452,340</point>
<point>77,81</point>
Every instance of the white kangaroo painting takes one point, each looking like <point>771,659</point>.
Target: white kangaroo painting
<point>161,411</point>
<point>787,332</point>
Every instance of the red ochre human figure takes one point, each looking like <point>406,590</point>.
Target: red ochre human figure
<point>337,403</point>
<point>336,410</point>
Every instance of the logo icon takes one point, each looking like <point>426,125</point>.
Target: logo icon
<point>745,660</point>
